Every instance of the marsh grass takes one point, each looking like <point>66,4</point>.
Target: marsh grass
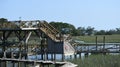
<point>92,39</point>
<point>98,61</point>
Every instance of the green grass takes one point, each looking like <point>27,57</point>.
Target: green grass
<point>98,61</point>
<point>92,39</point>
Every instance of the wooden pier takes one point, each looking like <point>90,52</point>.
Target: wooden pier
<point>33,62</point>
<point>96,48</point>
<point>24,38</point>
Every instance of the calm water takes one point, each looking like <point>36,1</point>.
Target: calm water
<point>59,56</point>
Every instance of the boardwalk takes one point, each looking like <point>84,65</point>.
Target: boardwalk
<point>14,43</point>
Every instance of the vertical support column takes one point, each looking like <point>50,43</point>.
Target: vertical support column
<point>104,51</point>
<point>3,43</point>
<point>51,56</point>
<point>25,44</point>
<point>63,56</point>
<point>86,54</point>
<point>45,50</point>
<point>54,52</point>
<point>5,35</point>
<point>23,36</point>
<point>20,48</point>
<point>42,51</point>
<point>54,56</point>
<point>103,42</point>
<point>26,40</point>
<point>18,34</point>
<point>119,48</point>
<point>80,55</point>
<point>19,65</point>
<point>75,55</point>
<point>34,64</point>
<point>96,43</point>
<point>47,56</point>
<point>88,49</point>
<point>42,45</point>
<point>13,63</point>
<point>40,35</point>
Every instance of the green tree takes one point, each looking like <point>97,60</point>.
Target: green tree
<point>101,32</point>
<point>90,30</point>
<point>65,28</point>
<point>118,30</point>
<point>4,23</point>
<point>3,20</point>
<point>81,31</point>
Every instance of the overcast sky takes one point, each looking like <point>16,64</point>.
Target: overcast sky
<point>101,14</point>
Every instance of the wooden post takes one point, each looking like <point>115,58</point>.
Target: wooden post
<point>19,64</point>
<point>54,57</point>
<point>104,43</point>
<point>119,47</point>
<point>20,57</point>
<point>34,64</point>
<point>51,56</point>
<point>86,54</point>
<point>13,63</point>
<point>79,54</point>
<point>75,55</point>
<point>54,52</point>
<point>41,51</point>
<point>47,56</point>
<point>70,56</point>
<point>88,49</point>
<point>96,43</point>
<point>63,57</point>
<point>48,65</point>
<point>104,46</point>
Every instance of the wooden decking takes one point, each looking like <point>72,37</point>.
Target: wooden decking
<point>33,61</point>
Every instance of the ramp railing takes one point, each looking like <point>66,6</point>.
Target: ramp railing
<point>49,30</point>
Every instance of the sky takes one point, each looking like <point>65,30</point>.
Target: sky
<point>100,14</point>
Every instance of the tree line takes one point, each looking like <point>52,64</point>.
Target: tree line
<point>4,23</point>
<point>66,28</point>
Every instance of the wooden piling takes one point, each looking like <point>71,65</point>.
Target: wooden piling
<point>75,56</point>
<point>80,55</point>
<point>51,56</point>
<point>96,43</point>
<point>104,51</point>
<point>86,54</point>
<point>70,56</point>
<point>104,43</point>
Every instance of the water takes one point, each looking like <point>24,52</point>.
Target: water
<point>100,47</point>
<point>59,56</point>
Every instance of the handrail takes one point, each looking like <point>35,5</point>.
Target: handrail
<point>50,31</point>
<point>52,27</point>
<point>46,29</point>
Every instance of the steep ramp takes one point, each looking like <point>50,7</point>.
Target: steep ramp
<point>68,49</point>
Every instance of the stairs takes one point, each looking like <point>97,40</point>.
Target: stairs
<point>50,31</point>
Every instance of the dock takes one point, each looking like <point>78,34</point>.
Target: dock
<point>24,38</point>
